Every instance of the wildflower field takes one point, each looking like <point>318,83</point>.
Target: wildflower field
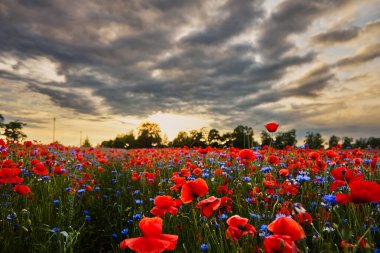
<point>66,199</point>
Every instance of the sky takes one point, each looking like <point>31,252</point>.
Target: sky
<point>101,68</point>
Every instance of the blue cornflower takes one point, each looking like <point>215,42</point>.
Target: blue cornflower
<point>137,216</point>
<point>255,216</point>
<point>11,216</point>
<point>55,230</point>
<point>87,218</point>
<point>246,179</point>
<point>204,247</point>
<point>81,190</point>
<point>223,217</point>
<point>56,202</point>
<point>330,198</point>
<point>302,178</point>
<point>138,201</point>
<point>266,169</point>
<point>114,235</point>
<point>205,175</point>
<point>124,231</point>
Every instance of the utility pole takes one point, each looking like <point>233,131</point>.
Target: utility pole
<point>53,129</point>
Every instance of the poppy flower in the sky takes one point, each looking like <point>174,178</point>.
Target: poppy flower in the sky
<point>272,127</point>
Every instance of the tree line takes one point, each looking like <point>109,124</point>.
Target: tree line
<point>150,135</point>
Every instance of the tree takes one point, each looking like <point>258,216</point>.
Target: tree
<point>86,143</point>
<point>374,142</point>
<point>149,135</point>
<point>198,138</point>
<point>13,131</point>
<point>181,140</point>
<point>214,138</point>
<point>361,143</point>
<point>242,137</point>
<point>121,141</point>
<point>227,139</point>
<point>347,142</point>
<point>284,139</point>
<point>1,122</point>
<point>266,138</point>
<point>314,140</point>
<point>333,141</point>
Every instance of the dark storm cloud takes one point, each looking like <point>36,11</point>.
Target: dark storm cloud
<point>309,85</point>
<point>140,57</point>
<point>335,36</point>
<point>288,18</point>
<point>235,16</point>
<point>347,34</point>
<point>67,98</point>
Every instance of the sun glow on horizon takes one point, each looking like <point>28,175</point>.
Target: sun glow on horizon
<point>171,124</point>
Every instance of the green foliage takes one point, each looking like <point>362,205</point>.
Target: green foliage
<point>314,140</point>
<point>86,143</point>
<point>214,139</point>
<point>333,141</point>
<point>284,139</point>
<point>149,135</point>
<point>347,142</point>
<point>181,140</point>
<point>121,141</point>
<point>242,137</point>
<point>266,138</point>
<point>13,131</point>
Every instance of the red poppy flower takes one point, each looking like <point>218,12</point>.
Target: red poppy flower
<point>342,173</point>
<point>272,159</point>
<point>279,243</point>
<point>21,189</point>
<point>193,189</point>
<point>284,172</point>
<point>40,169</point>
<point>272,127</point>
<point>287,226</point>
<point>361,192</point>
<point>343,176</point>
<point>10,176</point>
<point>164,204</point>
<point>179,182</point>
<point>331,154</point>
<point>28,144</point>
<point>208,205</point>
<point>153,240</point>
<point>246,155</point>
<point>59,170</point>
<point>239,227</point>
<point>299,213</point>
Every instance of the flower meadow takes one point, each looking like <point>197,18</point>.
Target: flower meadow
<point>66,199</point>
